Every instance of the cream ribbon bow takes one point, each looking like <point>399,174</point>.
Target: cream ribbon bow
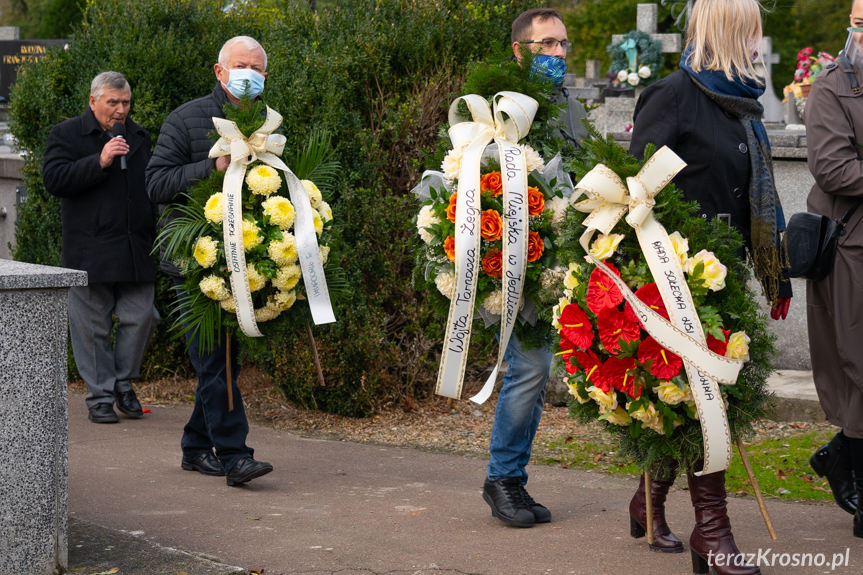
<point>508,122</point>
<point>266,147</point>
<point>608,199</point>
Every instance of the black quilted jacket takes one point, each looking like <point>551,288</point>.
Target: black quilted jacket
<point>180,158</point>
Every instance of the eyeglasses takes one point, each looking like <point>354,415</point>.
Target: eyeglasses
<point>549,44</point>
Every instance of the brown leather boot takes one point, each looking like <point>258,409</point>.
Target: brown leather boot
<point>711,542</point>
<point>663,539</point>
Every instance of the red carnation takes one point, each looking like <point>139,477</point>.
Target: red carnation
<point>658,360</point>
<point>601,291</point>
<point>575,326</point>
<point>614,324</point>
<point>649,294</point>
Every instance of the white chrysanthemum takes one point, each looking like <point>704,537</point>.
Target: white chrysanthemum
<point>213,209</point>
<point>283,251</point>
<point>206,251</point>
<point>557,205</point>
<point>325,254</point>
<point>493,303</point>
<point>287,277</point>
<point>314,193</point>
<point>452,163</point>
<point>263,180</point>
<point>228,305</point>
<point>257,280</point>
<point>252,237</point>
<point>280,210</point>
<point>550,277</point>
<point>532,158</point>
<point>282,300</point>
<point>214,287</point>
<point>266,313</point>
<point>326,212</point>
<point>318,221</point>
<point>445,282</point>
<point>426,218</point>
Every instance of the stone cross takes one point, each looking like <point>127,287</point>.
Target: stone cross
<point>773,108</point>
<point>646,22</point>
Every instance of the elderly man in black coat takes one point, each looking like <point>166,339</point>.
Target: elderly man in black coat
<point>108,231</point>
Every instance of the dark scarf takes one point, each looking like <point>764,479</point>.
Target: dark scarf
<point>739,97</point>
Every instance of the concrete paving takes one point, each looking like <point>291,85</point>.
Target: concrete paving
<point>347,508</point>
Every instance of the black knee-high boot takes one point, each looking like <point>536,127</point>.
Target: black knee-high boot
<point>856,446</point>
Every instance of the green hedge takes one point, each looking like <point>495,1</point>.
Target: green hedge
<point>378,75</point>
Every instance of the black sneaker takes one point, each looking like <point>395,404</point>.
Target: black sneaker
<point>540,512</point>
<point>102,413</point>
<point>506,499</point>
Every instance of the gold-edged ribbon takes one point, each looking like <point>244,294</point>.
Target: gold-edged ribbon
<point>266,147</point>
<point>608,199</point>
<point>508,122</point>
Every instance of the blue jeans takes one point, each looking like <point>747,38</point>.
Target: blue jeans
<point>519,409</point>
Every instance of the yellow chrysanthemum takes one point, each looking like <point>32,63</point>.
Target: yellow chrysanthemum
<point>314,193</point>
<point>206,251</point>
<point>319,223</point>
<point>251,235</point>
<point>287,277</point>
<point>326,212</point>
<point>263,180</point>
<point>325,254</point>
<point>282,300</point>
<point>214,287</point>
<point>228,305</point>
<point>266,313</point>
<point>257,280</point>
<point>213,209</point>
<point>280,210</point>
<point>283,251</point>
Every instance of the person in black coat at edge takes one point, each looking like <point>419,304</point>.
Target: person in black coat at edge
<point>708,113</point>
<point>108,231</point>
<point>179,160</point>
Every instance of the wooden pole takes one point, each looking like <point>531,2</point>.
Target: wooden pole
<point>648,507</point>
<point>754,482</point>
<point>315,354</point>
<point>228,370</point>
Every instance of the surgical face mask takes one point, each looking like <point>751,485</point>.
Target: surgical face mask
<point>237,79</point>
<point>551,68</point>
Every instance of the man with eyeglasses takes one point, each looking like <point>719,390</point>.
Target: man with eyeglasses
<point>522,395</point>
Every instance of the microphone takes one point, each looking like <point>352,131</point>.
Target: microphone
<point>118,130</point>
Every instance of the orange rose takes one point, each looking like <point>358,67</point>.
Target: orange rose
<point>492,263</point>
<point>491,225</point>
<point>449,248</point>
<point>535,246</point>
<point>491,182</point>
<point>450,209</point>
<point>535,202</point>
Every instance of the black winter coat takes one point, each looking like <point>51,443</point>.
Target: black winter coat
<point>674,112</point>
<point>180,158</point>
<point>108,221</point>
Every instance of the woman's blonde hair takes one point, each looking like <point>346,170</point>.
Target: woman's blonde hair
<point>720,34</point>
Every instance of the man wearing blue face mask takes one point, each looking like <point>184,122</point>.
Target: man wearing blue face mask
<point>214,439</point>
<point>522,394</point>
<point>541,30</point>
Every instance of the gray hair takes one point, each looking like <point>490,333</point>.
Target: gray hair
<point>247,41</point>
<point>110,80</point>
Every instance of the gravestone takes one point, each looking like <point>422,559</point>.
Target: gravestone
<point>15,52</point>
<point>646,21</point>
<point>774,110</point>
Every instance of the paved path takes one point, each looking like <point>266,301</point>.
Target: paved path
<point>347,508</point>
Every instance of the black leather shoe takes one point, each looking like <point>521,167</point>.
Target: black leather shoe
<point>128,404</point>
<point>505,496</point>
<point>540,512</point>
<point>102,413</point>
<point>247,469</point>
<point>205,463</point>
<point>834,462</point>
